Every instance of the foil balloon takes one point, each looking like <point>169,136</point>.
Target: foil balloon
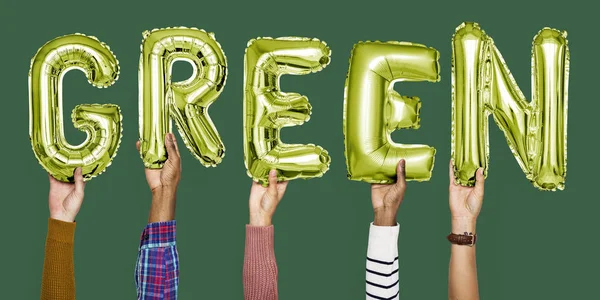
<point>536,131</point>
<point>102,123</point>
<point>267,109</point>
<point>373,110</point>
<point>186,102</point>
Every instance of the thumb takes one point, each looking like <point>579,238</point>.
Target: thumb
<point>171,145</point>
<point>401,173</point>
<point>479,181</point>
<point>137,146</point>
<point>79,184</point>
<point>272,189</point>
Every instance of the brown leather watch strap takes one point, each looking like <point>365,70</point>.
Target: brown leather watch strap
<point>465,239</point>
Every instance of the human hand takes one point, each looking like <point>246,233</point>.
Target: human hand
<point>65,198</point>
<point>264,200</point>
<point>166,178</point>
<point>466,202</point>
<point>163,183</point>
<point>387,198</point>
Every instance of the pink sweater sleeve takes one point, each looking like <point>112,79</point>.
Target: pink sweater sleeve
<point>260,266</point>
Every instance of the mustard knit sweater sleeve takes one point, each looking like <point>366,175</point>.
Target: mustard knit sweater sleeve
<point>58,277</point>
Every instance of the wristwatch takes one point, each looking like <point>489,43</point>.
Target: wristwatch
<point>465,239</point>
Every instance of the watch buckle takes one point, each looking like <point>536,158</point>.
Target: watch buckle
<point>473,238</point>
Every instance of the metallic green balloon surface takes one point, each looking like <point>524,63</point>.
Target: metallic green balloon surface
<point>536,131</point>
<point>267,109</point>
<point>186,102</point>
<point>102,123</point>
<point>373,110</point>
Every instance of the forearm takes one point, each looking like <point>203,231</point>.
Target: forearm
<point>157,267</point>
<point>382,280</point>
<point>163,205</point>
<point>260,265</point>
<point>58,277</point>
<point>462,282</point>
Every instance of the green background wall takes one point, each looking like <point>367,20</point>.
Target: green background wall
<point>533,244</point>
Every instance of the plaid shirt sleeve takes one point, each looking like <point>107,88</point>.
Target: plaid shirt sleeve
<point>157,267</point>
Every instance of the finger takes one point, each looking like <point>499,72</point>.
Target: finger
<point>79,184</point>
<point>401,172</point>
<point>479,181</point>
<point>172,151</point>
<point>53,181</point>
<point>255,184</point>
<point>137,146</point>
<point>451,175</point>
<point>283,184</point>
<point>272,189</point>
<point>281,187</point>
<point>175,143</point>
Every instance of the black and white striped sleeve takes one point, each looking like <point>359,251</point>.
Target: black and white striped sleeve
<point>382,263</point>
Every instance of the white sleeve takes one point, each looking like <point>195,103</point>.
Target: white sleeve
<point>382,263</point>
